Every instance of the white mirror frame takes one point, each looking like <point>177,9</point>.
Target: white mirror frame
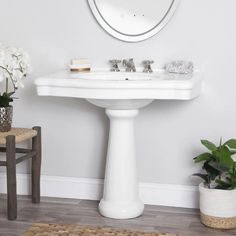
<point>135,38</point>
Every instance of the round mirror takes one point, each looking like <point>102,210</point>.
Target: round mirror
<point>132,20</point>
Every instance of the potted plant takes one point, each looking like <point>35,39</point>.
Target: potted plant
<point>218,191</point>
<point>14,65</point>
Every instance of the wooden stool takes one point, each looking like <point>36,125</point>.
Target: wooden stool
<point>9,140</point>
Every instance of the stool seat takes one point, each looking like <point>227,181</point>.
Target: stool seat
<point>21,134</point>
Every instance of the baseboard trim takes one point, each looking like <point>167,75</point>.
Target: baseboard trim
<point>91,189</point>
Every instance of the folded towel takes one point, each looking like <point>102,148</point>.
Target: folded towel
<point>79,61</point>
<point>80,65</point>
<point>72,66</point>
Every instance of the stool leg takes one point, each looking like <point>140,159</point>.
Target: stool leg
<point>36,166</point>
<point>11,177</point>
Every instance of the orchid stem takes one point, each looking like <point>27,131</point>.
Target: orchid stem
<point>6,85</point>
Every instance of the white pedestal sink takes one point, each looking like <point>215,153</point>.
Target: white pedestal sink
<point>122,95</point>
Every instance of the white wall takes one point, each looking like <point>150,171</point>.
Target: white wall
<point>168,132</point>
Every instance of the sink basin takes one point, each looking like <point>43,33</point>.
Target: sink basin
<point>120,90</point>
<point>111,76</point>
<point>121,94</point>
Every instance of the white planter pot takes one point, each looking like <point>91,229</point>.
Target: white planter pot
<point>218,207</point>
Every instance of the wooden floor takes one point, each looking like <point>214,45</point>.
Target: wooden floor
<point>52,210</point>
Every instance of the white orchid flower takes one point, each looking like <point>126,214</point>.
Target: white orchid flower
<point>14,65</point>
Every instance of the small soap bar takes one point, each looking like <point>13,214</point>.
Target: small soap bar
<point>179,67</point>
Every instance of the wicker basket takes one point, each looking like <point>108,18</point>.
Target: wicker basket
<point>218,208</point>
<point>218,222</point>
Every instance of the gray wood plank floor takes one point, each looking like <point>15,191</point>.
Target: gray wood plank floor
<point>53,210</point>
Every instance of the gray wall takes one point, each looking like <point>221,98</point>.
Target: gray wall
<point>168,132</point>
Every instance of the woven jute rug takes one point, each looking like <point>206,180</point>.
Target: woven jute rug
<point>39,229</point>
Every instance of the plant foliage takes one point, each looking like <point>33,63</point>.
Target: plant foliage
<point>218,165</point>
<point>5,99</point>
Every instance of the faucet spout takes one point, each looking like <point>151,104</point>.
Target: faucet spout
<point>129,64</point>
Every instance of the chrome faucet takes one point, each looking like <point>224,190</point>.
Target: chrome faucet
<point>147,66</point>
<point>114,65</point>
<point>129,64</point>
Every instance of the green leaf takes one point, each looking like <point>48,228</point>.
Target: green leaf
<point>202,157</point>
<point>223,185</point>
<point>218,167</point>
<point>231,143</point>
<point>5,100</point>
<point>203,176</point>
<point>209,145</point>
<point>216,155</point>
<point>225,158</point>
<point>211,171</point>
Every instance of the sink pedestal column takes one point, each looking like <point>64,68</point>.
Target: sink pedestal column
<point>120,197</point>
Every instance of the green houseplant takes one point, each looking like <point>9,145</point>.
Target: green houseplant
<point>218,190</point>
<point>14,65</point>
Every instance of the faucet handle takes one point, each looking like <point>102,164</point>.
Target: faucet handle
<point>129,60</point>
<point>148,62</point>
<point>147,66</point>
<point>114,63</point>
